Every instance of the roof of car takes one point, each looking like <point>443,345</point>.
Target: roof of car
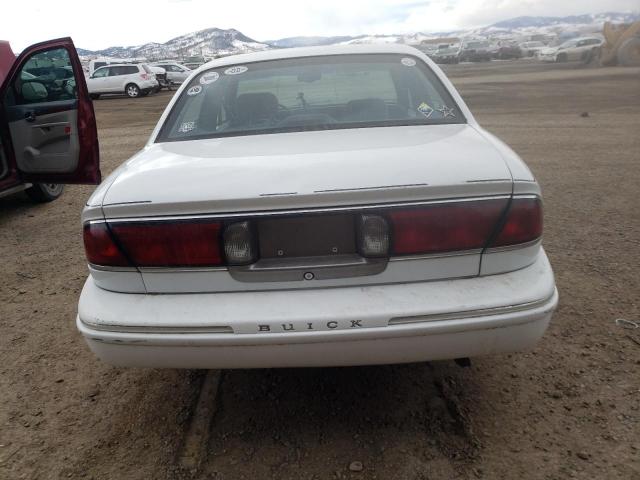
<point>119,65</point>
<point>277,54</point>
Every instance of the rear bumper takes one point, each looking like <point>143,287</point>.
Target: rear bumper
<point>394,323</point>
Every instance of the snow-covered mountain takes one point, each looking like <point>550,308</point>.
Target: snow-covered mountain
<point>209,43</point>
<point>589,19</point>
<point>551,27</point>
<point>308,41</point>
<point>217,42</point>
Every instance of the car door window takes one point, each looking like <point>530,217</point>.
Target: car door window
<point>101,73</point>
<point>46,77</point>
<point>115,71</point>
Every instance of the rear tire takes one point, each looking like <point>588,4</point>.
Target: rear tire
<point>629,52</point>
<point>132,90</point>
<point>44,192</point>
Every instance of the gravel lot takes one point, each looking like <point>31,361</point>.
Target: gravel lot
<point>568,409</point>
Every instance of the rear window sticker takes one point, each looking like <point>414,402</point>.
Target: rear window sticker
<point>237,70</point>
<point>209,77</point>
<point>408,62</point>
<point>425,109</point>
<point>186,127</point>
<point>195,90</point>
<point>446,111</point>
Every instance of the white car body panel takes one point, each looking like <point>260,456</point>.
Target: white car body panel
<point>397,323</point>
<point>422,307</point>
<point>303,169</point>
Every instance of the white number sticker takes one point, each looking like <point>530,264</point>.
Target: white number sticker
<point>237,70</point>
<point>208,78</point>
<point>408,62</point>
<point>195,90</point>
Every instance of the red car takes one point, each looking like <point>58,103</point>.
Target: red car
<point>48,134</point>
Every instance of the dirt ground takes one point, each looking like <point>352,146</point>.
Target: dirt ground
<point>568,409</point>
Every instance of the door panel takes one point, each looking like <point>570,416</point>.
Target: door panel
<point>45,140</point>
<point>49,117</point>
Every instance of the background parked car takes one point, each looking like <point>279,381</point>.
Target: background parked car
<point>530,49</point>
<point>475,51</point>
<point>96,63</point>
<point>176,73</point>
<point>132,80</point>
<point>507,52</point>
<point>161,77</point>
<point>583,48</point>
<point>446,54</point>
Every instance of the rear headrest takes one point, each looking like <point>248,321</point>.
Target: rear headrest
<point>254,108</point>
<point>366,109</point>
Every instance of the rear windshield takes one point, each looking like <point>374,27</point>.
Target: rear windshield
<point>310,93</point>
<point>146,68</point>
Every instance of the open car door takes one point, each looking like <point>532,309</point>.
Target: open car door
<point>47,123</point>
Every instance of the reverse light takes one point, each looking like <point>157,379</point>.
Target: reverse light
<point>373,236</point>
<point>239,244</point>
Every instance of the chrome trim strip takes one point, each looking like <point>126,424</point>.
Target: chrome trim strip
<point>382,187</point>
<point>276,194</point>
<point>471,313</point>
<point>268,213</point>
<point>181,269</point>
<point>106,268</point>
<point>518,246</point>
<point>490,180</point>
<point>153,329</point>
<point>428,256</point>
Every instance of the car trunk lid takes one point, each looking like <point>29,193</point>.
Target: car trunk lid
<point>307,170</point>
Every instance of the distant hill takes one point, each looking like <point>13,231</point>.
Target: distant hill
<point>524,22</point>
<point>209,42</point>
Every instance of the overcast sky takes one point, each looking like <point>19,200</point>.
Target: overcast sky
<point>96,25</point>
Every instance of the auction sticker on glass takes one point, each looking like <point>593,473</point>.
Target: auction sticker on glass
<point>237,70</point>
<point>209,77</point>
<point>195,90</point>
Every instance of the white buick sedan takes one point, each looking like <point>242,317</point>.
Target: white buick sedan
<point>315,207</point>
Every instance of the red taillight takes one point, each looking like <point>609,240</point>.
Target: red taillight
<point>171,244</point>
<point>523,223</point>
<point>144,76</point>
<point>100,247</point>
<point>444,227</point>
